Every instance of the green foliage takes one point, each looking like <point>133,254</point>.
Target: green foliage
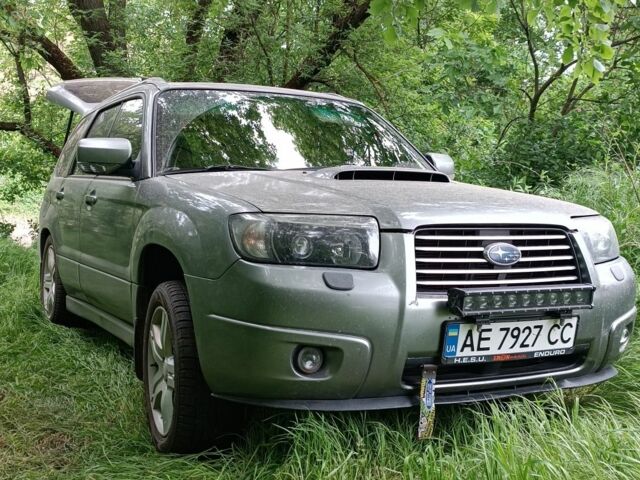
<point>455,76</point>
<point>614,191</point>
<point>6,229</point>
<point>546,151</point>
<point>23,166</point>
<point>581,28</point>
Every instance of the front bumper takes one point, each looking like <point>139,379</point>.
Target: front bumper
<point>251,320</point>
<point>405,401</point>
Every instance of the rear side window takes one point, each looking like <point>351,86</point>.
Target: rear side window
<point>68,154</point>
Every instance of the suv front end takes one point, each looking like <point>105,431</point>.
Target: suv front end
<point>371,330</point>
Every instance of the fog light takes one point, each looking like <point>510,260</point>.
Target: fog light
<point>309,360</point>
<point>624,339</point>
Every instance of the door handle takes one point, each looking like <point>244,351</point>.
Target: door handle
<point>60,194</point>
<point>91,199</point>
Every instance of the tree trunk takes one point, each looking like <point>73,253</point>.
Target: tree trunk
<point>233,38</point>
<point>193,37</point>
<point>356,13</point>
<point>99,35</point>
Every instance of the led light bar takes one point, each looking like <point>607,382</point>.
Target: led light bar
<point>470,302</point>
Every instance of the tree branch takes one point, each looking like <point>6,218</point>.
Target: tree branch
<point>48,50</point>
<point>530,46</point>
<point>566,107</point>
<point>233,38</point>
<point>22,79</point>
<point>505,129</point>
<point>625,41</point>
<point>265,52</point>
<point>25,127</point>
<point>357,12</point>
<point>54,56</point>
<point>33,135</point>
<point>375,83</point>
<point>535,99</point>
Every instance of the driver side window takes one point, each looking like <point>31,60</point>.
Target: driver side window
<point>121,121</point>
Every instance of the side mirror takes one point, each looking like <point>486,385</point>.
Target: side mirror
<point>444,163</point>
<point>103,155</point>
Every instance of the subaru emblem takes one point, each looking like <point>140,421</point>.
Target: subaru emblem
<point>502,254</point>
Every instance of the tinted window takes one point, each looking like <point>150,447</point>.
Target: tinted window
<point>103,122</point>
<point>68,154</point>
<point>128,125</point>
<point>200,128</point>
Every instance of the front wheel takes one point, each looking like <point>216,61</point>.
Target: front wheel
<point>183,416</point>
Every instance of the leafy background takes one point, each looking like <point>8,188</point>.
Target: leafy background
<point>538,96</point>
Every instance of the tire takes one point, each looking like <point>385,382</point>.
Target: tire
<point>183,416</point>
<point>52,293</point>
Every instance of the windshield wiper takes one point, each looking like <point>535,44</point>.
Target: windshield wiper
<point>212,168</point>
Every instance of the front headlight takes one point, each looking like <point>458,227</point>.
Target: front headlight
<point>600,237</point>
<point>323,240</point>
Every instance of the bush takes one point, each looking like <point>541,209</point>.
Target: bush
<point>614,191</point>
<point>546,151</point>
<point>6,229</point>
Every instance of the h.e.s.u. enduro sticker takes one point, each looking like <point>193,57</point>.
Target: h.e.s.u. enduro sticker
<point>427,402</point>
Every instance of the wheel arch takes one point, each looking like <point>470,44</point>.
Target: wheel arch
<point>156,264</point>
<point>45,233</point>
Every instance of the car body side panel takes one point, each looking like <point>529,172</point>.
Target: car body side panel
<point>65,227</point>
<point>107,230</point>
<point>199,240</point>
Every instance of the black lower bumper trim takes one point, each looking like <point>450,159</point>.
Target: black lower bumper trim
<point>405,401</point>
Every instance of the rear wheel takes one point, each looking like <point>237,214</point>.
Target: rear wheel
<point>183,416</point>
<point>52,293</point>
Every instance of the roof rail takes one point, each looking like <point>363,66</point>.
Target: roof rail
<point>84,94</point>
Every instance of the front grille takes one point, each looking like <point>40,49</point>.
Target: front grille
<point>453,257</point>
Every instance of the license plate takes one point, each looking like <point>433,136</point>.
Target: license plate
<point>509,340</point>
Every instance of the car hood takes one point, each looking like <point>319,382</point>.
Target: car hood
<point>402,205</point>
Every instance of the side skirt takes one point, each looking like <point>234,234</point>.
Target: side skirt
<point>111,324</point>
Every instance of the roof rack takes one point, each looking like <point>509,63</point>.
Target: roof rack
<point>83,95</point>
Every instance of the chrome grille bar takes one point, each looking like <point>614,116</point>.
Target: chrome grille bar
<point>489,271</point>
<point>490,237</point>
<point>482,260</point>
<point>499,282</point>
<point>454,257</point>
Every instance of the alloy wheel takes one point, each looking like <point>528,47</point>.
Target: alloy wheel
<point>48,281</point>
<point>161,370</point>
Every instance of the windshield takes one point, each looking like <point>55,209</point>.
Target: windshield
<point>197,129</point>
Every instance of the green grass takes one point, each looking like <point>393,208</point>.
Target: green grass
<point>70,407</point>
